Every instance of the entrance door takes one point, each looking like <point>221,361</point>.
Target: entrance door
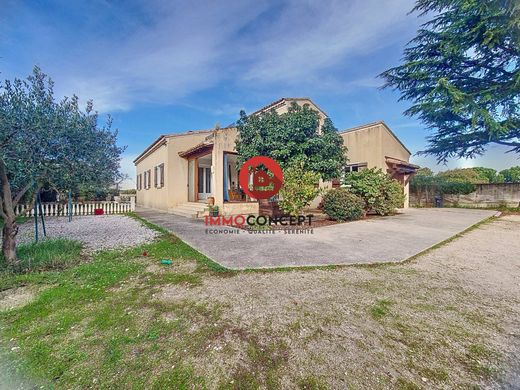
<point>204,182</point>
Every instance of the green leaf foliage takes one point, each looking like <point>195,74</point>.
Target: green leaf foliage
<point>455,181</point>
<point>292,138</point>
<point>55,142</point>
<point>464,175</point>
<point>342,205</point>
<point>511,175</point>
<point>380,193</point>
<point>462,75</point>
<point>489,174</point>
<point>299,189</point>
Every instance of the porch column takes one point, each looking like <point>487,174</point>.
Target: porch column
<point>406,185</point>
<point>226,178</point>
<point>217,174</point>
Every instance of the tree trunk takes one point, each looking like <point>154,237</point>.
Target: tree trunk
<point>9,232</point>
<point>7,204</point>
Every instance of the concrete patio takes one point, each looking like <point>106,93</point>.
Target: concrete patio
<point>384,239</point>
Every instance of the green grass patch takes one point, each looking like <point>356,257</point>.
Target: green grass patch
<point>380,309</point>
<point>48,254</point>
<point>477,359</point>
<point>181,249</point>
<point>311,382</point>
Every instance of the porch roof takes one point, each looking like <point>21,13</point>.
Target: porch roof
<point>401,166</point>
<point>200,149</point>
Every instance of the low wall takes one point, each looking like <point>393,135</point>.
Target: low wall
<point>240,208</point>
<point>83,208</point>
<point>485,195</point>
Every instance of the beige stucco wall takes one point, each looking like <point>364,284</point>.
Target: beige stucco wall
<point>371,145</point>
<point>392,148</point>
<point>154,197</point>
<point>175,190</point>
<point>240,208</point>
<point>364,146</point>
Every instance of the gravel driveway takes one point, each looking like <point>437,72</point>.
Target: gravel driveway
<point>96,232</point>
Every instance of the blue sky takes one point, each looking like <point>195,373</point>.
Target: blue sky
<point>170,66</point>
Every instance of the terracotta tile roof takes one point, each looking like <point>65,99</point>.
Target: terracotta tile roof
<point>199,148</point>
<point>159,141</point>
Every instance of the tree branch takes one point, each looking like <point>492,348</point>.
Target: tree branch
<point>21,193</point>
<point>513,144</point>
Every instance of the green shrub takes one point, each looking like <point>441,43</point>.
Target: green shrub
<point>342,205</point>
<point>299,189</point>
<point>380,193</point>
<point>392,197</point>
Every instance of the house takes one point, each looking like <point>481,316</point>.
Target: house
<point>178,172</point>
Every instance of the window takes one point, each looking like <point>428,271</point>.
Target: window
<point>159,176</point>
<point>348,169</point>
<point>147,179</point>
<point>139,182</point>
<point>355,167</point>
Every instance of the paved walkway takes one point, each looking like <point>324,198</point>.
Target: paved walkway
<point>385,239</point>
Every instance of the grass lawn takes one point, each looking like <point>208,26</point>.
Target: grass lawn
<point>119,319</point>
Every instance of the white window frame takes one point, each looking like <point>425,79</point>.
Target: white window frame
<point>139,183</point>
<point>159,175</point>
<point>147,179</point>
<point>358,167</point>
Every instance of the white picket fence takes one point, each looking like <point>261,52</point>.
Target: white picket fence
<point>84,208</point>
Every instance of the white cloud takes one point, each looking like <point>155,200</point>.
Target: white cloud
<point>308,37</point>
<point>162,51</point>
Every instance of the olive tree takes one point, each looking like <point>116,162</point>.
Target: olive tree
<point>44,141</point>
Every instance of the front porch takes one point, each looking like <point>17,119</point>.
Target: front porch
<point>213,173</point>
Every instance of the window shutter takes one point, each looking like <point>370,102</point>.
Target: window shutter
<point>161,167</point>
<point>155,181</point>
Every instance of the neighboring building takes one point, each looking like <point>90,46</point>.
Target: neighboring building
<point>179,170</point>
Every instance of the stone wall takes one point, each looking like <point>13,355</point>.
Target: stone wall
<point>485,195</point>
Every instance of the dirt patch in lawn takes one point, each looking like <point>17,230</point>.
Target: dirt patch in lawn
<point>16,297</point>
<point>447,319</point>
